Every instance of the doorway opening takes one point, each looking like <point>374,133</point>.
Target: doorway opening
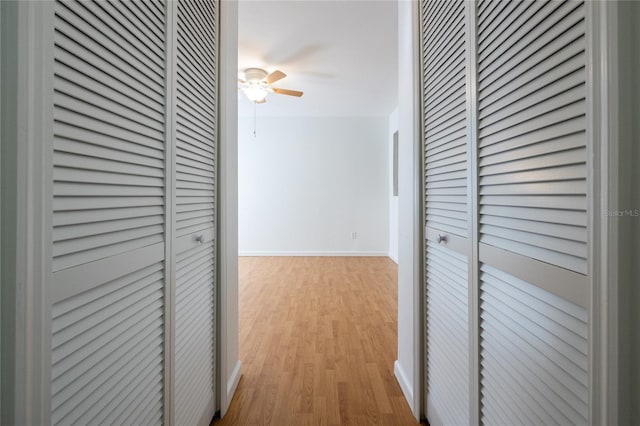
<point>317,289</point>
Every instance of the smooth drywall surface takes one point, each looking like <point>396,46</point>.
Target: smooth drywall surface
<point>313,186</point>
<point>393,200</point>
<point>409,232</point>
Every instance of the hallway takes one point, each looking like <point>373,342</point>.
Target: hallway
<point>318,340</point>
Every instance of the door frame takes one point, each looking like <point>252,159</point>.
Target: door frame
<point>229,365</point>
<point>27,154</point>
<point>604,185</point>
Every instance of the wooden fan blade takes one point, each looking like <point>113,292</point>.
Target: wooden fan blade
<point>287,92</point>
<point>275,76</point>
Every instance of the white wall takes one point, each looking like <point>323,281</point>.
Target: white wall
<point>407,366</point>
<point>306,183</point>
<point>393,200</point>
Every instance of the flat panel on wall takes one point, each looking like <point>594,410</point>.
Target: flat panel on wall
<point>444,115</point>
<point>532,130</point>
<point>446,303</point>
<point>108,213</point>
<point>395,164</point>
<point>196,143</point>
<point>533,353</point>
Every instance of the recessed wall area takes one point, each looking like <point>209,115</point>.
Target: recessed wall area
<point>313,186</point>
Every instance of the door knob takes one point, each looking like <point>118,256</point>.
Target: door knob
<point>441,239</point>
<point>200,238</point>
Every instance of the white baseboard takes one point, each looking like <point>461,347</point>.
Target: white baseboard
<point>392,257</point>
<point>313,253</point>
<point>404,383</point>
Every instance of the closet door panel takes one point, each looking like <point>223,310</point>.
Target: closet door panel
<point>108,213</point>
<point>107,359</point>
<point>534,353</point>
<point>447,320</point>
<point>444,118</point>
<point>533,239</point>
<point>195,225</point>
<point>532,135</point>
<point>195,334</point>
<point>446,194</point>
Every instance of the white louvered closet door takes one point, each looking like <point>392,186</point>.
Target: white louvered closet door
<point>506,196</point>
<point>134,200</point>
<point>195,227</point>
<point>445,144</point>
<point>109,213</point>
<point>532,180</point>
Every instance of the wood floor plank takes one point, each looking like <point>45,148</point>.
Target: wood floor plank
<point>318,339</point>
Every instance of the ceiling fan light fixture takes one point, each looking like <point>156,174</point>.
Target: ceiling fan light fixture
<point>255,93</point>
<point>257,84</point>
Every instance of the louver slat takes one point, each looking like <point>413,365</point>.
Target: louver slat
<point>107,342</point>
<point>532,137</point>
<point>108,213</point>
<point>505,10</point>
<point>108,142</point>
<point>196,123</point>
<point>196,156</point>
<point>445,114</point>
<point>533,352</point>
<point>195,332</point>
<point>447,384</point>
<point>444,132</point>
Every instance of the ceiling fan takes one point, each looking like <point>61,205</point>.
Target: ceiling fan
<point>257,85</point>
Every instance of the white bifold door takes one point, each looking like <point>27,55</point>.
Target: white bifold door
<point>447,211</point>
<point>134,212</point>
<point>505,137</point>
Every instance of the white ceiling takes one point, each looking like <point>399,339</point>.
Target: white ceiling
<point>341,54</point>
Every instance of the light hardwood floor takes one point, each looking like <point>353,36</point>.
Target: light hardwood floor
<point>317,343</point>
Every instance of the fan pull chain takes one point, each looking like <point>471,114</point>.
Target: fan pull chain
<point>255,107</point>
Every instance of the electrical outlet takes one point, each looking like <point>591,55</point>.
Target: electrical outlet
<point>354,235</point>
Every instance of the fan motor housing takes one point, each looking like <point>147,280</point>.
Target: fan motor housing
<point>255,74</point>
